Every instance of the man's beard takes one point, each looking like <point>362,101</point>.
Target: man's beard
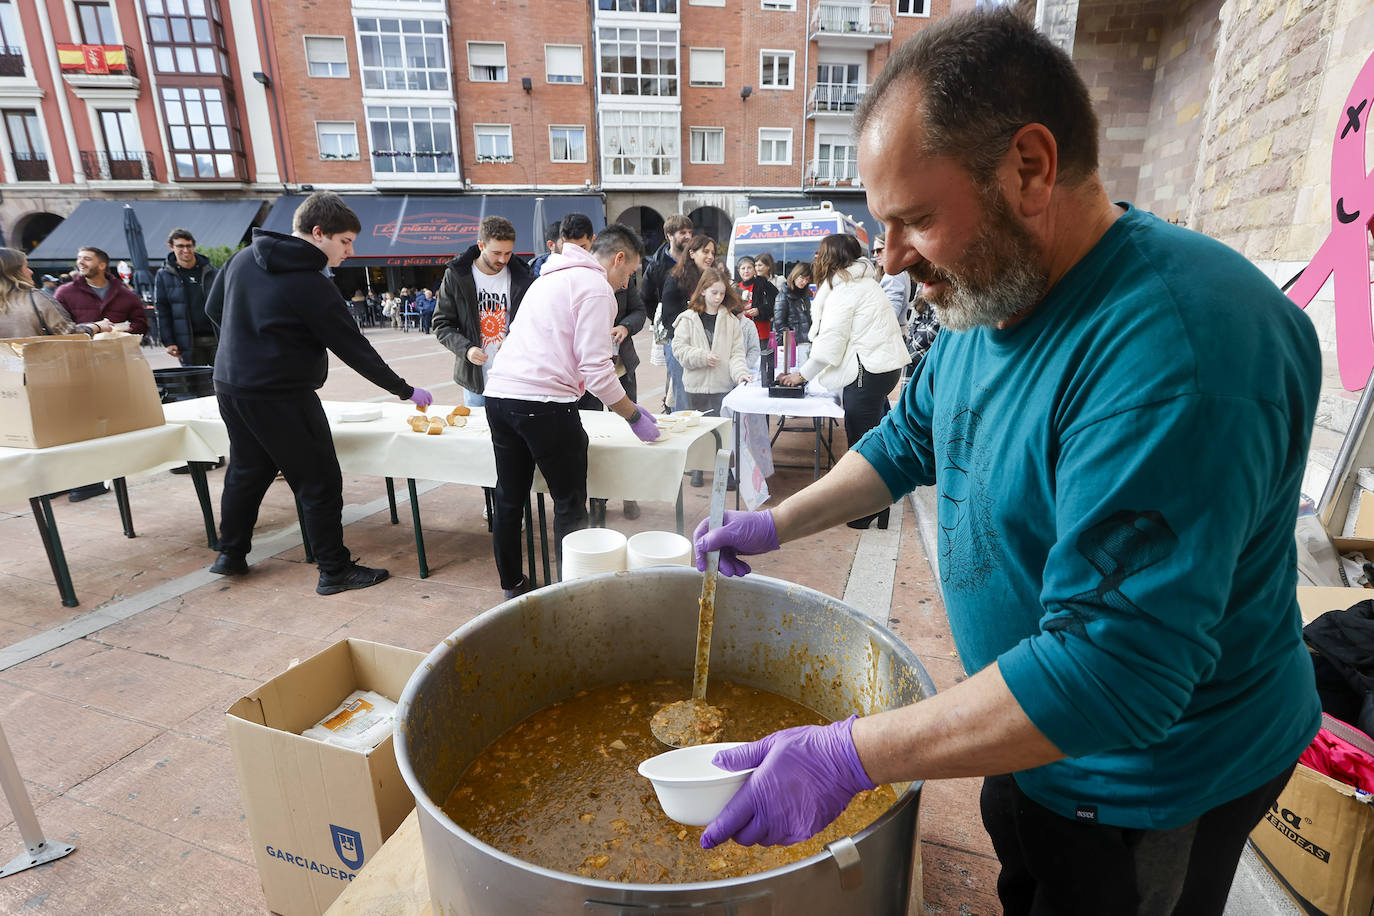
<point>1000,276</point>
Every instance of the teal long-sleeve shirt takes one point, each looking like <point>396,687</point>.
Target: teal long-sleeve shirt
<point>1117,479</point>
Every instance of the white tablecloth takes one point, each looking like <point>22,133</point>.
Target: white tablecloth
<point>619,466</point>
<point>752,399</point>
<point>27,472</point>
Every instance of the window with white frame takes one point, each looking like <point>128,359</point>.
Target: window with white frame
<point>780,4</point>
<point>837,158</point>
<point>204,131</point>
<point>338,139</point>
<point>403,54</point>
<point>563,63</point>
<point>326,56</point>
<point>913,7</point>
<point>775,69</point>
<point>706,66</point>
<point>411,138</point>
<point>641,144</point>
<point>493,143</point>
<point>567,143</point>
<point>97,22</point>
<point>487,61</point>
<point>775,146</point>
<point>12,46</point>
<point>187,36</point>
<point>637,61</point>
<point>706,145</point>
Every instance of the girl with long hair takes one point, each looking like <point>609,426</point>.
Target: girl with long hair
<point>710,342</point>
<point>29,312</point>
<point>793,312</point>
<point>856,345</point>
<point>677,289</point>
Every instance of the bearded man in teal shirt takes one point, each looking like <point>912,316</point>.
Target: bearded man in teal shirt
<point>1116,418</point>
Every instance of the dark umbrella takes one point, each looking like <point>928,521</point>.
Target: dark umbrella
<point>138,262</point>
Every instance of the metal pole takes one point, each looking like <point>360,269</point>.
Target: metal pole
<point>40,850</point>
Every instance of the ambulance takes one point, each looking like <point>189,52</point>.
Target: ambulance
<point>790,235</point>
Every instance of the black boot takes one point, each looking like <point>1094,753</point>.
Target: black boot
<point>520,589</point>
<point>697,479</point>
<point>229,564</point>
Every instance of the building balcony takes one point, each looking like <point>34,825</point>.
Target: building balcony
<point>832,173</point>
<point>125,165</point>
<point>30,167</point>
<point>97,65</point>
<point>834,99</point>
<point>11,61</point>
<point>851,25</point>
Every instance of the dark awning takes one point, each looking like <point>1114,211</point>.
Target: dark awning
<point>101,223</point>
<point>851,205</point>
<point>403,229</point>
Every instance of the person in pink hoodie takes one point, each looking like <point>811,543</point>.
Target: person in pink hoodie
<point>559,348</point>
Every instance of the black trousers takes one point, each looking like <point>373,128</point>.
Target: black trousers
<point>291,436</point>
<point>1053,865</point>
<point>865,401</point>
<point>526,435</point>
<point>202,351</point>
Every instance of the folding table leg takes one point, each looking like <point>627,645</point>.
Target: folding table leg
<point>305,535</point>
<point>39,849</point>
<point>529,543</point>
<point>52,544</point>
<point>126,516</point>
<point>391,500</point>
<point>679,508</point>
<point>207,511</point>
<point>816,461</point>
<point>419,535</point>
<point>737,454</point>
<point>544,538</point>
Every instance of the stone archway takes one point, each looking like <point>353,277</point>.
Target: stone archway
<point>35,227</point>
<point>648,222</point>
<point>712,221</point>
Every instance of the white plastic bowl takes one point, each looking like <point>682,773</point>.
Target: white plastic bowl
<point>690,788</point>
<point>657,548</point>
<point>591,551</point>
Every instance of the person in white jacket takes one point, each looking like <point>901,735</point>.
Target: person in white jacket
<point>856,344</point>
<point>712,352</point>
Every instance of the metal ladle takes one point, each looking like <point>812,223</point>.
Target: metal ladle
<point>686,723</point>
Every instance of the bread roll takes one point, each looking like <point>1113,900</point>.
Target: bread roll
<point>460,411</point>
<point>418,423</point>
<point>436,426</point>
<point>457,421</point>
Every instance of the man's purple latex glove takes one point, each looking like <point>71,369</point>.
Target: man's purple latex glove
<point>421,398</point>
<point>805,778</point>
<point>646,427</point>
<point>744,533</point>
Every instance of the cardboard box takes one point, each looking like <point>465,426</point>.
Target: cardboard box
<point>317,812</point>
<point>1319,841</point>
<point>66,388</point>
<point>1316,600</point>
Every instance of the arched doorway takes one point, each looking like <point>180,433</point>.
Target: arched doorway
<point>648,222</point>
<point>712,221</point>
<point>34,228</point>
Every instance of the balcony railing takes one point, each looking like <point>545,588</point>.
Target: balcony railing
<point>11,61</point>
<point>832,173</point>
<point>122,165</point>
<point>96,60</point>
<point>856,19</point>
<point>30,167</point>
<point>834,97</point>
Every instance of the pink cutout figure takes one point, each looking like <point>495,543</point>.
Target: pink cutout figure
<point>1345,253</point>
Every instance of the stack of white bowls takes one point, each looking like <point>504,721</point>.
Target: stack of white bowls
<point>657,548</point>
<point>592,551</point>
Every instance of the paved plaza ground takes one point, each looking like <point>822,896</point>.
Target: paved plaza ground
<point>120,734</point>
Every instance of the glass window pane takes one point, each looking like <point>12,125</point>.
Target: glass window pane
<point>200,30</point>
<point>157,28</point>
<point>181,30</point>
<point>186,60</point>
<point>219,137</point>
<point>181,138</point>
<point>224,163</point>
<point>163,59</point>
<point>185,165</point>
<point>205,60</point>
<point>205,165</point>
<point>200,138</point>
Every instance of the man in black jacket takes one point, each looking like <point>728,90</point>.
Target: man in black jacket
<point>478,299</point>
<point>179,292</point>
<point>678,229</point>
<point>278,317</point>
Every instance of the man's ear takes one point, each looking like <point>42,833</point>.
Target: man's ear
<point>1030,170</point>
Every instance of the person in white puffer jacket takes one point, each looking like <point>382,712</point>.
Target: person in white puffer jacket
<point>856,344</point>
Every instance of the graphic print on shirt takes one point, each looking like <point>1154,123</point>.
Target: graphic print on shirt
<point>968,542</point>
<point>1118,547</point>
<point>491,316</point>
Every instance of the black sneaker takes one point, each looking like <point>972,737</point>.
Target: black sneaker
<point>229,564</point>
<point>519,590</point>
<point>86,492</point>
<point>631,509</point>
<point>350,577</point>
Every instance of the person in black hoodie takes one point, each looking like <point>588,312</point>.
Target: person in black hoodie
<point>478,299</point>
<point>278,317</point>
<point>179,291</point>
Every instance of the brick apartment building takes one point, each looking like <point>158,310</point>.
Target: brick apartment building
<point>431,113</point>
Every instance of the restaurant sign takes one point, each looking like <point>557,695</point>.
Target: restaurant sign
<point>449,229</point>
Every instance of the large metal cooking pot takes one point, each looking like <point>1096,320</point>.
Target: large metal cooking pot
<point>541,648</point>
